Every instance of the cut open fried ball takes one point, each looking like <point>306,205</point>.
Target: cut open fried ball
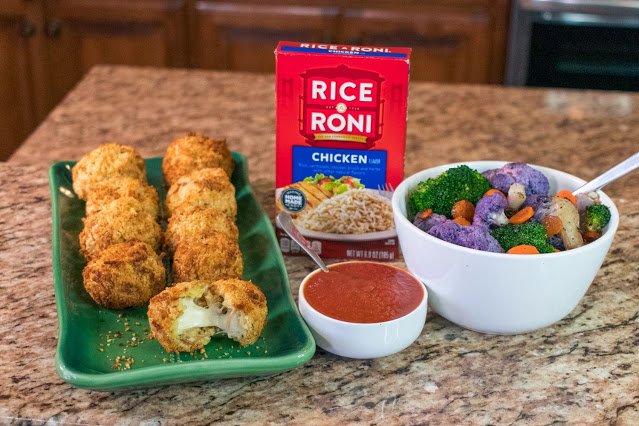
<point>206,188</point>
<point>184,317</point>
<point>106,162</point>
<point>124,275</point>
<point>214,257</point>
<point>194,152</point>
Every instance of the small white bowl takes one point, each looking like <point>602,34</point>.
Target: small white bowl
<point>498,293</point>
<point>363,340</point>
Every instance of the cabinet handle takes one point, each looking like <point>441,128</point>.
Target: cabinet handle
<point>26,29</point>
<point>53,29</point>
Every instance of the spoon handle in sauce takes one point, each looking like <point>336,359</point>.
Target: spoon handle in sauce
<point>286,223</point>
<point>621,169</point>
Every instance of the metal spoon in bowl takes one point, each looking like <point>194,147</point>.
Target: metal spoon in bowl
<point>286,223</point>
<point>626,166</point>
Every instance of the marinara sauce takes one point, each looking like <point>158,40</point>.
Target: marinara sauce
<point>363,292</point>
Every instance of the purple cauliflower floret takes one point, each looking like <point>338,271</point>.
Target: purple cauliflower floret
<point>541,204</point>
<point>475,237</point>
<point>533,180</point>
<point>489,211</point>
<point>556,242</point>
<point>426,224</point>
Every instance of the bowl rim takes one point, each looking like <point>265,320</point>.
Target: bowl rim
<point>422,304</point>
<point>403,187</point>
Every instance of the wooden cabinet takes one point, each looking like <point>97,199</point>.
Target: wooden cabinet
<point>242,37</point>
<point>20,74</point>
<point>452,41</point>
<point>46,46</point>
<point>450,44</point>
<point>82,33</point>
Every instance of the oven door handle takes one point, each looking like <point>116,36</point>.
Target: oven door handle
<point>626,8</point>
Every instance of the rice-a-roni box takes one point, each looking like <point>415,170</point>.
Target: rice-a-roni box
<point>340,137</point>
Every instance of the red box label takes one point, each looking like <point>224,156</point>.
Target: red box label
<point>341,126</point>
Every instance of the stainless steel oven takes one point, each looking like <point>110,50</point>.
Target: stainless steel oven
<point>574,43</point>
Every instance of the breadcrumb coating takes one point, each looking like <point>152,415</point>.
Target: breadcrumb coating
<point>235,307</point>
<point>205,188</point>
<point>211,258</point>
<point>194,152</point>
<point>124,275</point>
<point>186,226</point>
<point>122,220</point>
<point>104,192</point>
<point>105,162</point>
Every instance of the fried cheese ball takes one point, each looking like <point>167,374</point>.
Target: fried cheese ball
<point>184,317</point>
<point>103,193</point>
<point>194,152</point>
<point>211,258</point>
<point>122,220</point>
<point>124,275</point>
<point>198,223</point>
<point>105,162</point>
<point>206,188</point>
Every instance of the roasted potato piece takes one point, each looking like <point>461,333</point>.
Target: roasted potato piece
<point>104,192</point>
<point>194,152</point>
<point>211,258</point>
<point>122,220</point>
<point>184,317</point>
<point>106,162</point>
<point>124,275</point>
<point>206,188</point>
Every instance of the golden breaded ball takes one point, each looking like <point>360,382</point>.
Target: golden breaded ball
<point>194,152</point>
<point>206,188</point>
<point>196,224</point>
<point>103,193</point>
<point>211,258</point>
<point>105,162</point>
<point>120,221</point>
<point>184,317</point>
<point>124,275</point>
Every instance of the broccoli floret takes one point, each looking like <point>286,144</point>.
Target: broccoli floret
<point>440,193</point>
<point>534,181</point>
<point>597,217</point>
<point>530,233</point>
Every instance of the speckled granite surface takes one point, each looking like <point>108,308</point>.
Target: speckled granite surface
<point>585,369</point>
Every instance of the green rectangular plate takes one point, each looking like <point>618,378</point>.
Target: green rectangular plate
<point>89,343</point>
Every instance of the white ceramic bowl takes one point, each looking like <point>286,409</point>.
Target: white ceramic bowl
<point>499,293</point>
<point>362,340</point>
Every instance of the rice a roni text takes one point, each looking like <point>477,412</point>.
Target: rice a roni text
<point>341,131</point>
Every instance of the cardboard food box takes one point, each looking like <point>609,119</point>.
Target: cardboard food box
<point>340,136</point>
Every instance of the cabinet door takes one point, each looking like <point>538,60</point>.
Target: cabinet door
<point>450,44</point>
<point>18,52</point>
<point>82,33</point>
<point>242,37</point>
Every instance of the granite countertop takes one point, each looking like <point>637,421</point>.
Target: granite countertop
<point>584,369</point>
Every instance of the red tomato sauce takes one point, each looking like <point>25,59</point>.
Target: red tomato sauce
<point>363,292</point>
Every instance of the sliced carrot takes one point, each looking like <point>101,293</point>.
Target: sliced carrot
<point>557,250</point>
<point>494,191</point>
<point>523,249</point>
<point>553,225</point>
<point>425,214</point>
<point>462,221</point>
<point>568,196</point>
<point>590,236</point>
<point>522,216</point>
<point>463,208</point>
